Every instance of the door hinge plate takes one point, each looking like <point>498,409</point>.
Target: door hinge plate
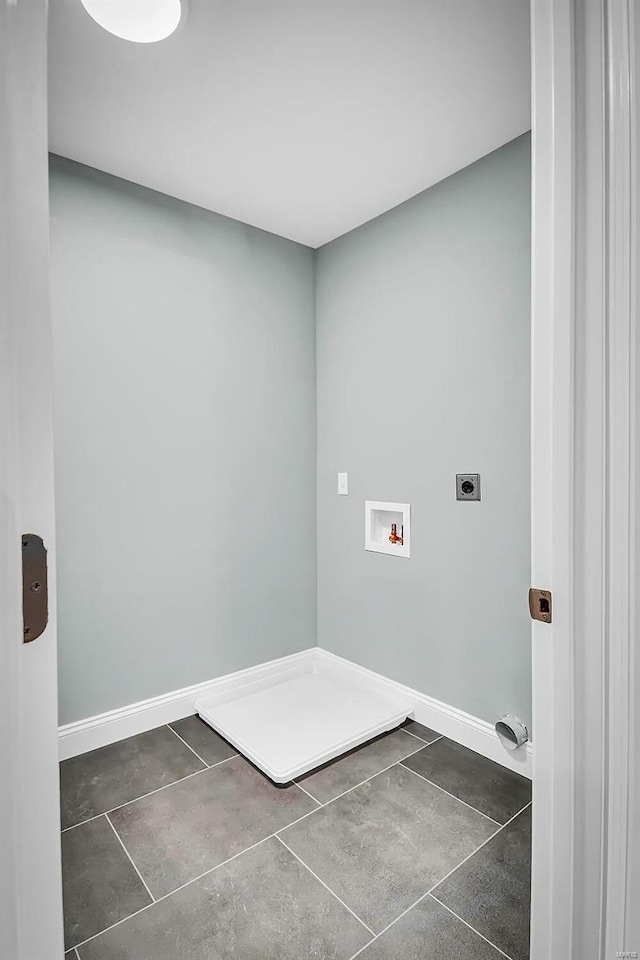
<point>540,605</point>
<point>35,603</point>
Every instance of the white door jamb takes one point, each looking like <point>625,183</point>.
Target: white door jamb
<point>585,479</point>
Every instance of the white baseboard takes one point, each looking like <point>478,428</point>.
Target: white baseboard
<point>83,735</point>
<point>470,731</point>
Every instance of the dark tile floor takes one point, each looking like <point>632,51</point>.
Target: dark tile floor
<point>409,848</point>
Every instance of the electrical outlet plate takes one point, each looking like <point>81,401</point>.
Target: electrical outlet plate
<point>467,486</point>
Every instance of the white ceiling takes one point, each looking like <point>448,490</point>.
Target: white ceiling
<point>303,117</point>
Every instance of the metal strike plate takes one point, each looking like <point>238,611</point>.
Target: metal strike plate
<point>540,605</point>
<point>35,603</point>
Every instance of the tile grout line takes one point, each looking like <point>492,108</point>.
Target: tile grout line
<point>325,803</point>
<point>399,917</point>
<point>483,844</point>
<point>303,776</point>
<point>189,747</point>
<point>349,789</point>
<point>226,759</point>
<point>490,942</point>
<point>206,872</point>
<point>345,792</point>
<point>427,743</point>
<point>165,896</point>
<point>442,879</point>
<point>311,797</point>
<point>121,841</point>
<point>273,835</point>
<point>150,794</point>
<point>327,887</point>
<point>413,752</point>
<point>452,795</point>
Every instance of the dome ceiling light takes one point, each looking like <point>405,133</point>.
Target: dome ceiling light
<point>141,21</point>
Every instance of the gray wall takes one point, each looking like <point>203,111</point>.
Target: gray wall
<point>423,320</point>
<point>185,442</point>
<point>185,423</point>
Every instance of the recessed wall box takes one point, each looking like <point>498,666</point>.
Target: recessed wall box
<point>387,527</point>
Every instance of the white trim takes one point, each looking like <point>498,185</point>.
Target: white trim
<point>585,477</point>
<point>451,722</point>
<point>83,735</point>
<point>114,725</point>
<point>31,926</point>
<point>621,923</point>
<point>552,446</point>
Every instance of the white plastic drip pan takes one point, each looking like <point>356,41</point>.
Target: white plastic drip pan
<point>295,723</point>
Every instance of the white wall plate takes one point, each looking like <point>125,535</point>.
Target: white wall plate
<point>379,515</point>
<point>295,724</point>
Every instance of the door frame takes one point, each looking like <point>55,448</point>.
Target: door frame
<point>585,487</point>
<point>30,875</point>
<point>585,478</point>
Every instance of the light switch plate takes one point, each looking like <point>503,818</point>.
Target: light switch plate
<point>343,484</point>
<point>467,486</point>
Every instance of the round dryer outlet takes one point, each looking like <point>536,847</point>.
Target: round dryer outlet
<point>467,486</point>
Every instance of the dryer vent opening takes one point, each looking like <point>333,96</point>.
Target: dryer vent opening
<point>511,731</point>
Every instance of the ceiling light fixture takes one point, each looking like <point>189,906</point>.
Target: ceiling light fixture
<point>142,21</point>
